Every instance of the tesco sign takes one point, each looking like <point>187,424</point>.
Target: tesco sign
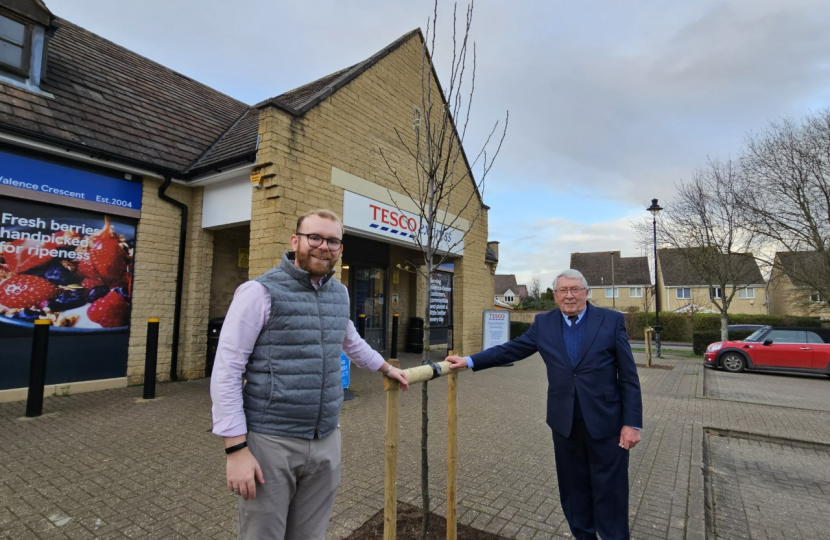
<point>393,218</point>
<point>374,218</point>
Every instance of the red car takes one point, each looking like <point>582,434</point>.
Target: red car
<point>800,350</point>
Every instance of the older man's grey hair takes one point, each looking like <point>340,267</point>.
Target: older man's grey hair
<point>570,273</point>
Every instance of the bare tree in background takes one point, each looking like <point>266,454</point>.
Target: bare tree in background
<point>786,195</point>
<point>534,288</point>
<point>444,180</point>
<point>708,235</point>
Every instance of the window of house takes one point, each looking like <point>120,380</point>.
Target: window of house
<point>715,293</point>
<point>684,293</point>
<point>746,293</point>
<point>508,299</point>
<point>612,292</point>
<point>635,292</point>
<point>815,297</point>
<point>15,38</point>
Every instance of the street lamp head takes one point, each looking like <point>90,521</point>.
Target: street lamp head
<point>654,208</point>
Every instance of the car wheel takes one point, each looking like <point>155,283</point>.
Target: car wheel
<point>733,362</point>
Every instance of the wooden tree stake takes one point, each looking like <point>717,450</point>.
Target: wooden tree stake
<point>390,507</point>
<point>452,453</point>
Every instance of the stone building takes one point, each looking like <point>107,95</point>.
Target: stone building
<point>507,291</point>
<point>684,289</point>
<point>794,282</point>
<point>615,282</point>
<point>129,191</point>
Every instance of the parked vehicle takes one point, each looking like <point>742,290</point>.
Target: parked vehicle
<point>800,350</point>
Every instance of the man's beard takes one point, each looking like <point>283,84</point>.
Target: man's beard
<point>314,266</point>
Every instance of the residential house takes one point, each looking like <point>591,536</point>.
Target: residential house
<point>683,288</point>
<point>506,290</point>
<point>615,282</point>
<point>795,282</point>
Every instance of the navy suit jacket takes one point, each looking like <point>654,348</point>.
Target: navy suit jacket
<point>605,377</point>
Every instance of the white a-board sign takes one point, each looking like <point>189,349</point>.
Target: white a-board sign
<point>496,328</point>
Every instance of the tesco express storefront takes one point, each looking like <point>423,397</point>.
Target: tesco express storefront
<point>379,260</point>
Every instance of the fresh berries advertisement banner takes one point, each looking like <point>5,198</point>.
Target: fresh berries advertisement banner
<point>73,268</point>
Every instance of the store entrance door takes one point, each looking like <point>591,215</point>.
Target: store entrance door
<point>369,299</point>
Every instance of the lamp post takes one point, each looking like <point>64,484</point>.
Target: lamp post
<point>613,283</point>
<point>655,209</point>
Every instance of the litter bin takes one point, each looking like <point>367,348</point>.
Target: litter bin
<point>415,336</point>
<point>214,329</point>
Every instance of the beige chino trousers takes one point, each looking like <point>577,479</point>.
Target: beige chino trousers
<point>301,480</point>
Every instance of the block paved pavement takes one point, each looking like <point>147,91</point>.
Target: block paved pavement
<point>109,465</point>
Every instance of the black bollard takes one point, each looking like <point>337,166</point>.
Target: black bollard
<point>394,355</point>
<point>151,358</point>
<point>37,368</point>
<point>361,325</point>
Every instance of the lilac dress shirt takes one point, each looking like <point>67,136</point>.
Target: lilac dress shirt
<point>247,316</point>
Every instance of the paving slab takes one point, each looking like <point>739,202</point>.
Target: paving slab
<point>107,465</point>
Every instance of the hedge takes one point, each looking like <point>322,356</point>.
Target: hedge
<point>518,328</point>
<point>702,339</point>
<point>710,322</point>
<point>674,326</point>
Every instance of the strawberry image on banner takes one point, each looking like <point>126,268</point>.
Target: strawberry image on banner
<point>73,268</point>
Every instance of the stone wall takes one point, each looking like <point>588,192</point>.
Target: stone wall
<point>154,285</point>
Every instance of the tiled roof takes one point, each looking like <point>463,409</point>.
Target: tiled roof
<point>241,138</point>
<point>239,141</point>
<point>677,269</point>
<point>596,267</point>
<point>299,97</point>
<point>300,100</point>
<point>804,268</point>
<point>503,282</point>
<point>110,100</point>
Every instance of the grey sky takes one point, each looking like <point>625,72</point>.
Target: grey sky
<point>611,101</point>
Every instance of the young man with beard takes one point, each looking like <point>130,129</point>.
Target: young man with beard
<point>284,332</point>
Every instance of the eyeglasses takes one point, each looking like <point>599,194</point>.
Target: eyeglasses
<point>573,290</point>
<point>315,241</point>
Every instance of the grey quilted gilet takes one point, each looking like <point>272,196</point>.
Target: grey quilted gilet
<point>293,374</point>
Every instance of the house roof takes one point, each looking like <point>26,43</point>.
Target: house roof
<point>596,267</point>
<point>115,103</point>
<point>804,268</point>
<point>677,270</point>
<point>504,282</point>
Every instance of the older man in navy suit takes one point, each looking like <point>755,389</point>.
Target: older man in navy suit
<point>594,407</point>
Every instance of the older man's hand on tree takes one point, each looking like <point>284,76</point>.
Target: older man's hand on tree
<point>457,362</point>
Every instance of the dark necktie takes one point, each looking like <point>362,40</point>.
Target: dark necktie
<point>573,319</point>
